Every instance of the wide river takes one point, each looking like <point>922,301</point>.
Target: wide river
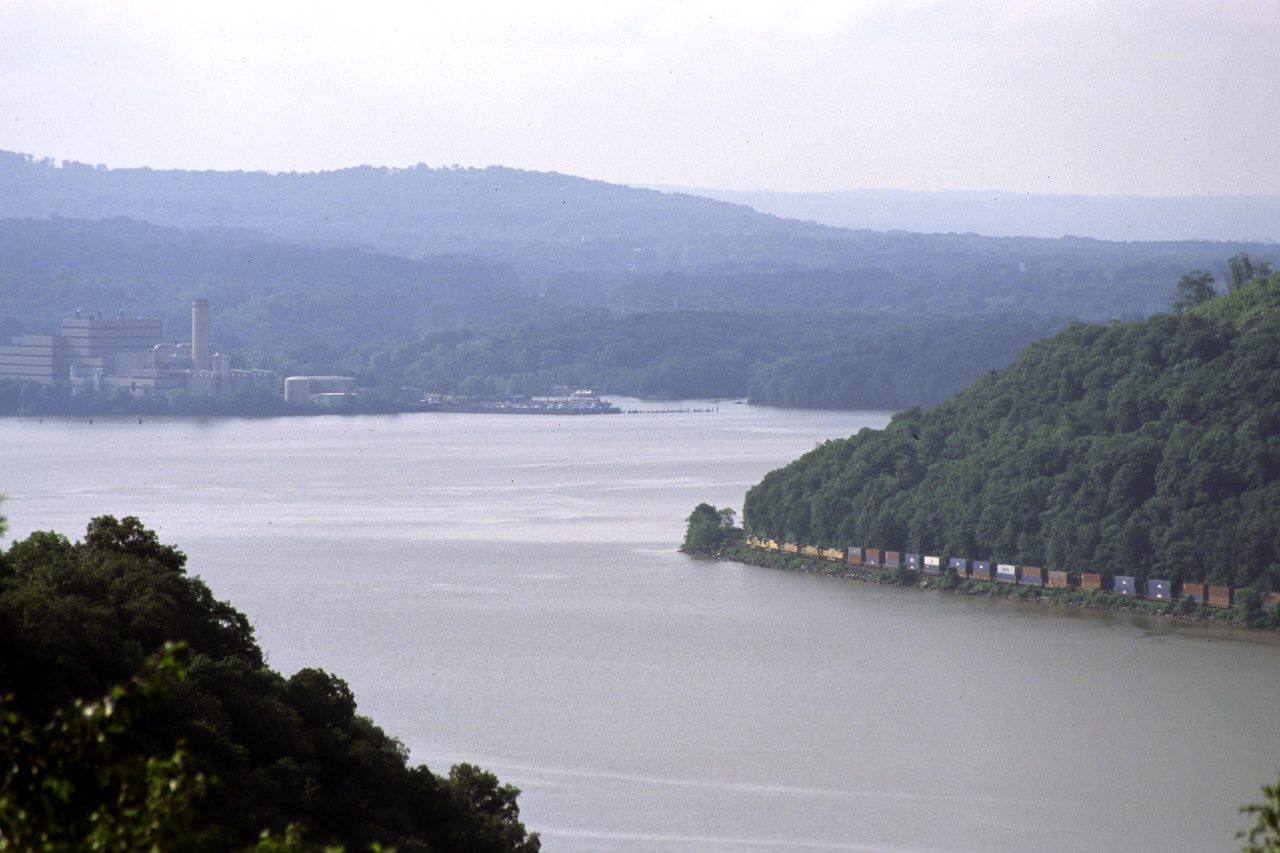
<point>506,590</point>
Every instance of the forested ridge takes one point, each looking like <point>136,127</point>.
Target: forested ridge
<point>77,618</point>
<point>1149,448</point>
<point>459,325</point>
<point>505,281</point>
<point>578,241</point>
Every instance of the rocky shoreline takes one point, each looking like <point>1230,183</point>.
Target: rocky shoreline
<point>1095,600</point>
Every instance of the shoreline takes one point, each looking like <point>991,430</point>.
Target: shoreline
<point>1060,597</point>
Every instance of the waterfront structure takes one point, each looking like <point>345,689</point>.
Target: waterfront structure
<point>101,353</point>
<point>86,346</point>
<point>325,390</point>
<point>36,358</point>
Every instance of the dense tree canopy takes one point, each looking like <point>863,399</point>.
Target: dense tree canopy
<point>1148,448</point>
<point>708,527</point>
<point>79,617</point>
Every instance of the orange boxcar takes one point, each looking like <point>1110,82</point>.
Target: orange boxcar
<point>1219,596</point>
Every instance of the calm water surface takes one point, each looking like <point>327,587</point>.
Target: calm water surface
<point>506,590</point>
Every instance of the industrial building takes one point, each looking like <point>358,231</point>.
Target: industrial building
<point>332,391</point>
<point>106,353</point>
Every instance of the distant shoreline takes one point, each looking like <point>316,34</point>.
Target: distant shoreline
<point>1095,600</point>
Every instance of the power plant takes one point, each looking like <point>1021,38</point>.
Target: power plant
<point>107,353</point>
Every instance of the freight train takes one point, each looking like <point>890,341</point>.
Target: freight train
<point>1035,576</point>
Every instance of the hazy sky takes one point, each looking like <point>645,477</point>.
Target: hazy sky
<point>1171,97</point>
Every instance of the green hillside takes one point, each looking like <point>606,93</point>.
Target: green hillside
<point>1149,448</point>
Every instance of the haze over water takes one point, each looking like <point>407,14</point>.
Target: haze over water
<point>506,591</point>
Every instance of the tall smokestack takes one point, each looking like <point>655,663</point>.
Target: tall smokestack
<point>200,335</point>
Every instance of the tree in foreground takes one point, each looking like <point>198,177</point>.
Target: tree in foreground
<point>1193,289</point>
<point>72,784</point>
<point>1242,270</point>
<point>236,750</point>
<point>1264,835</point>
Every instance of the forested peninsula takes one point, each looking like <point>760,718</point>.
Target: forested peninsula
<point>112,739</point>
<point>1148,449</point>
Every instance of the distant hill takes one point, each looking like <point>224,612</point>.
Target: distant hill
<point>542,219</point>
<point>1148,449</point>
<point>1004,214</point>
<point>573,240</point>
<point>502,280</point>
